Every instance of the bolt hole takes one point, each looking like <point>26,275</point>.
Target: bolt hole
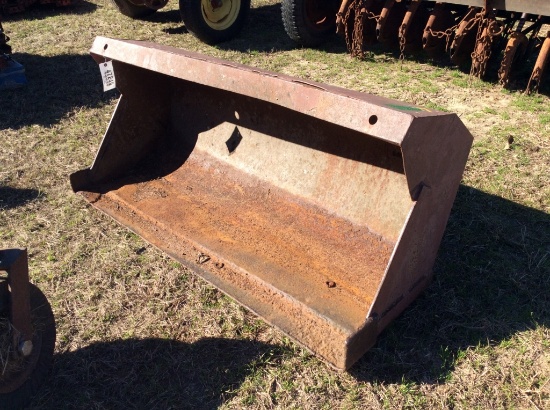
<point>237,116</point>
<point>373,119</point>
<point>105,46</point>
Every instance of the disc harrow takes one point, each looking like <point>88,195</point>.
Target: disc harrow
<point>460,31</point>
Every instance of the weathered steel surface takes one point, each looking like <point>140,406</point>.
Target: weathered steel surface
<point>387,29</point>
<point>465,30</point>
<point>465,37</point>
<point>440,21</point>
<point>319,208</point>
<point>489,32</point>
<point>515,49</point>
<point>537,7</point>
<point>14,262</point>
<point>541,66</point>
<point>412,27</point>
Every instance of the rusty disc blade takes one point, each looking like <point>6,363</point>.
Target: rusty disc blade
<point>540,67</point>
<point>515,49</point>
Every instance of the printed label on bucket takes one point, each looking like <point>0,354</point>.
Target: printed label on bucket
<point>107,75</point>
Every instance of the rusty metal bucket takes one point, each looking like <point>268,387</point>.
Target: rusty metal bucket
<point>319,208</point>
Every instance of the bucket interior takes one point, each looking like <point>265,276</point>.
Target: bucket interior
<point>311,209</point>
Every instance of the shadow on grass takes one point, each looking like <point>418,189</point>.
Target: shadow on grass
<point>491,281</point>
<point>43,11</point>
<point>262,32</point>
<point>56,86</point>
<point>149,374</point>
<point>164,16</point>
<point>13,197</point>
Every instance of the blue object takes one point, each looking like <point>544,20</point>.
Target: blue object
<point>12,74</point>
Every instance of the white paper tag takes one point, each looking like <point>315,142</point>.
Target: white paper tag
<point>108,75</point>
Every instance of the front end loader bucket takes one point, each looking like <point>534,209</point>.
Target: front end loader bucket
<point>318,208</point>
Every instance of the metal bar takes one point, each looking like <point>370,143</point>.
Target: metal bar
<point>14,262</point>
<point>537,7</point>
<point>292,93</point>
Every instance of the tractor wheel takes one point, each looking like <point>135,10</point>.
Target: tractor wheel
<point>214,21</point>
<point>23,376</point>
<point>133,10</point>
<point>309,22</point>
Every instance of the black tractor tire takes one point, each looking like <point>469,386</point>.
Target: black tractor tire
<point>214,26</point>
<point>18,388</point>
<point>310,22</point>
<point>132,10</point>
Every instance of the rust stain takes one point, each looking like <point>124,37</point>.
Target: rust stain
<point>286,242</point>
